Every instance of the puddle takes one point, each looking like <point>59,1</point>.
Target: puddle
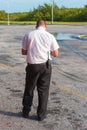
<point>69,36</point>
<point>64,36</point>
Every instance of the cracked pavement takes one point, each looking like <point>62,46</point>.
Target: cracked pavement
<point>67,105</point>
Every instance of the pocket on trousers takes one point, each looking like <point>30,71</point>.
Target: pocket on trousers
<point>26,69</point>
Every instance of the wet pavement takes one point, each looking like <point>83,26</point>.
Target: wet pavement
<point>67,106</point>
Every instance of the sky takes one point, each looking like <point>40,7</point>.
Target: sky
<point>12,6</point>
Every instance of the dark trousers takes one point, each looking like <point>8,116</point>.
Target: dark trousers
<point>37,75</point>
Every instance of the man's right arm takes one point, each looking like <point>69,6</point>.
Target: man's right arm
<point>55,53</point>
<point>54,47</point>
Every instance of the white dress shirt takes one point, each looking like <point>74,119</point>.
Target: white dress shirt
<point>39,43</point>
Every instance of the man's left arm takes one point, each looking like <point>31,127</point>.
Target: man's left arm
<point>23,52</point>
<point>24,45</point>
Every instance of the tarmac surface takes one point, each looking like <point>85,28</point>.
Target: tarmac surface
<point>67,105</point>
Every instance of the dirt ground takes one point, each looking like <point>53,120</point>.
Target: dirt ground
<point>67,105</point>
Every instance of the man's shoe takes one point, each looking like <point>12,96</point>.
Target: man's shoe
<point>25,112</point>
<point>25,115</point>
<point>41,118</point>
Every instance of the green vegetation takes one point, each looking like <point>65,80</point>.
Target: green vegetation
<point>61,15</point>
<point>48,22</point>
<point>85,36</point>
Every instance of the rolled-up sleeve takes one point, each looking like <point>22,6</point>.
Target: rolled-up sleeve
<point>54,44</point>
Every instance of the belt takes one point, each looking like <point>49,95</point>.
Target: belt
<point>37,64</point>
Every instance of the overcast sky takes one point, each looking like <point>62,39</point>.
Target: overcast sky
<point>27,5</point>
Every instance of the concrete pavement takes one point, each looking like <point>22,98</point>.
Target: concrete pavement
<point>67,106</point>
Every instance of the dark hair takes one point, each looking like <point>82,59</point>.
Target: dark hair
<point>40,22</point>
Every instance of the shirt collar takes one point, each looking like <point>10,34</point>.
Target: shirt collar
<point>41,28</point>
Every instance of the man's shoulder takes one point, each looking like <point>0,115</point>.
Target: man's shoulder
<point>49,34</point>
<point>29,33</point>
<point>33,31</point>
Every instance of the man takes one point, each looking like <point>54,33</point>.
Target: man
<point>38,45</point>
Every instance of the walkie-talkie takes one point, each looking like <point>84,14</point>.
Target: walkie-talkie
<point>48,63</point>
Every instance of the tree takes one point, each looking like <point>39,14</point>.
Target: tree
<point>44,12</point>
<point>3,15</point>
<point>85,6</point>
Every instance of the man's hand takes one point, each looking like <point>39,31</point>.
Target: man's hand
<point>24,52</point>
<point>55,53</point>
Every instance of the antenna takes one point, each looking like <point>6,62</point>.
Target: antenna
<point>52,13</point>
<point>8,19</point>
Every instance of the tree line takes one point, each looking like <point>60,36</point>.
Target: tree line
<point>44,12</point>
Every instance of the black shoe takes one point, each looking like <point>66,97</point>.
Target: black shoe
<point>41,118</point>
<point>25,112</point>
<point>25,115</point>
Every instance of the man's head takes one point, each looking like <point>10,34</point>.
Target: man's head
<point>41,23</point>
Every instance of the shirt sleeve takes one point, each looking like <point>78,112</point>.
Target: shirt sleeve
<point>25,42</point>
<point>54,44</point>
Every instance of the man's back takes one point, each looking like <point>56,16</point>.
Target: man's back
<point>38,44</point>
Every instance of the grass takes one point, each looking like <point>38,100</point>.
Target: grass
<point>17,22</point>
<point>34,22</point>
<point>85,36</point>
